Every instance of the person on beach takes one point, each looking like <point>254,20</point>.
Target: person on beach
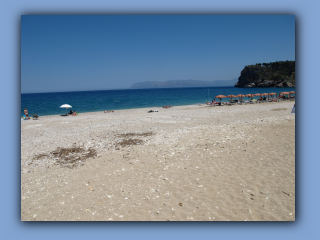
<point>26,113</point>
<point>74,113</point>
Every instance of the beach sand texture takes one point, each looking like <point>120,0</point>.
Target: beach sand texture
<point>186,163</point>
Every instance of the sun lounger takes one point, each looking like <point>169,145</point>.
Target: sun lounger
<point>229,103</point>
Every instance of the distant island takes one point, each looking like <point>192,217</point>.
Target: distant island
<point>184,84</point>
<point>273,74</point>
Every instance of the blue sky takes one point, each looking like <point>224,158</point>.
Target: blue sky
<point>98,52</point>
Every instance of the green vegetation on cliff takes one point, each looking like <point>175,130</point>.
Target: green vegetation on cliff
<point>273,74</point>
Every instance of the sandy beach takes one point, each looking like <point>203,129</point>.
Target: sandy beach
<point>186,163</point>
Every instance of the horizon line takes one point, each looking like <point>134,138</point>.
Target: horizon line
<point>125,89</point>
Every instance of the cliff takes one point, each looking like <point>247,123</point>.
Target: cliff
<point>184,83</point>
<point>274,74</point>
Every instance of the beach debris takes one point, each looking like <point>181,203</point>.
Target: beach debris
<point>145,134</point>
<point>41,155</point>
<point>129,142</point>
<point>69,157</point>
<point>266,192</point>
<point>73,156</point>
<point>180,204</point>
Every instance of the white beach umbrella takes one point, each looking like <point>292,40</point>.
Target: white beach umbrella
<point>66,106</point>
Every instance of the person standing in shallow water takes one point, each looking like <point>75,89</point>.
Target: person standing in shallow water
<point>26,112</point>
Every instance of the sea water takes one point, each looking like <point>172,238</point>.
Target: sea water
<point>95,101</point>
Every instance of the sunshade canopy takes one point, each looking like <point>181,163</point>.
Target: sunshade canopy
<point>220,96</point>
<point>65,106</point>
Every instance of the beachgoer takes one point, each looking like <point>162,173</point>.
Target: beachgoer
<point>294,109</point>
<point>26,113</point>
<point>74,113</point>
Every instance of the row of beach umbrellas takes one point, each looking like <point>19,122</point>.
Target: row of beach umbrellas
<point>253,95</point>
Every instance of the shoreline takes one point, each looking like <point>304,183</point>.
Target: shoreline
<point>151,108</point>
<point>203,162</point>
<point>61,115</point>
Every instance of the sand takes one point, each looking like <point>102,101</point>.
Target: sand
<point>186,163</point>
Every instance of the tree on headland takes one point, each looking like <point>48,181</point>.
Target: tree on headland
<point>273,74</point>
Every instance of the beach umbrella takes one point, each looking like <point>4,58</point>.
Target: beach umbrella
<point>220,96</point>
<point>249,95</point>
<point>284,93</point>
<point>292,92</point>
<point>231,96</point>
<point>272,94</point>
<point>257,94</point>
<point>66,106</point>
<point>265,94</point>
<point>240,95</point>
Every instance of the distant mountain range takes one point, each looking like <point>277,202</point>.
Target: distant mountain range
<point>185,84</point>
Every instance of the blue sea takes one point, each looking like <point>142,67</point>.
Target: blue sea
<point>94,101</point>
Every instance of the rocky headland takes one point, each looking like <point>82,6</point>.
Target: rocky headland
<point>273,74</point>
